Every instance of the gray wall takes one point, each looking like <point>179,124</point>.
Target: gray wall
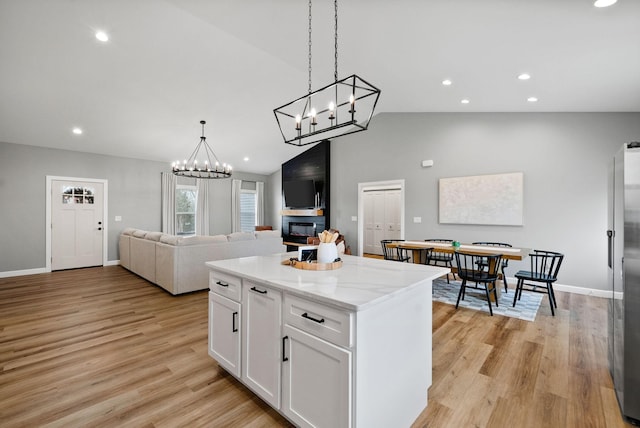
<point>564,157</point>
<point>134,194</point>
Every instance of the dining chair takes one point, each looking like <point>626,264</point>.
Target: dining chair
<point>543,272</point>
<point>396,254</point>
<point>424,255</point>
<point>440,258</point>
<point>505,262</point>
<point>469,271</point>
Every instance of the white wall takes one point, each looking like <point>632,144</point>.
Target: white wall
<point>564,157</point>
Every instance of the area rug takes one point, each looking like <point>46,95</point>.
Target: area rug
<point>526,308</point>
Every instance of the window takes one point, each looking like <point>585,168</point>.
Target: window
<point>186,197</point>
<point>248,211</point>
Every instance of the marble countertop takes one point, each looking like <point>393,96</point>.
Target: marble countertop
<point>360,283</point>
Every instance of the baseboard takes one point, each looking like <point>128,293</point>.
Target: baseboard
<point>577,290</point>
<point>36,271</point>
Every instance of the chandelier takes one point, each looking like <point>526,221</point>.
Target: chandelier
<point>343,107</point>
<point>205,168</point>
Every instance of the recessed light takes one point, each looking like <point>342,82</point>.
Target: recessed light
<point>246,159</point>
<point>447,82</point>
<point>532,99</point>
<point>524,76</point>
<point>77,131</point>
<point>465,101</point>
<point>102,36</point>
<point>604,3</point>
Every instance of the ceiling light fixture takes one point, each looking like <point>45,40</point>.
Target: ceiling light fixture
<point>77,131</point>
<point>532,99</point>
<point>102,36</point>
<point>447,82</point>
<point>329,112</point>
<point>524,76</point>
<point>205,168</point>
<point>604,3</point>
<point>465,101</point>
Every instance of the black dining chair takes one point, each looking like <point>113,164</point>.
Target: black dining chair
<point>505,262</point>
<point>440,258</point>
<point>396,254</point>
<point>424,255</point>
<point>544,267</point>
<point>469,271</point>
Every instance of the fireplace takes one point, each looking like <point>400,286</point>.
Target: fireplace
<point>297,229</point>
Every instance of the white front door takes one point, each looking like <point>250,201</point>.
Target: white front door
<point>77,224</point>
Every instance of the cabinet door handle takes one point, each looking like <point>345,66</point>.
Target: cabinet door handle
<point>309,317</point>
<point>284,357</point>
<point>222,284</point>
<point>233,322</point>
<point>258,291</point>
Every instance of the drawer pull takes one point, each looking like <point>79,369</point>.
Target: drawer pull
<point>284,357</point>
<point>307,316</point>
<point>222,284</point>
<point>233,322</point>
<point>258,291</point>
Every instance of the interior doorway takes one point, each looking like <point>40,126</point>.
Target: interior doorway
<point>76,223</point>
<point>380,214</point>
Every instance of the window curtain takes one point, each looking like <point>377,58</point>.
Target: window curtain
<point>202,207</point>
<point>168,203</point>
<point>259,203</point>
<point>236,185</point>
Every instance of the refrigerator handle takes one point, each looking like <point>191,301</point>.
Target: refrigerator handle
<point>610,248</point>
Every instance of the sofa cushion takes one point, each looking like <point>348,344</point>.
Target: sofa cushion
<point>128,231</point>
<point>267,234</point>
<point>153,236</point>
<point>192,240</point>
<point>139,233</point>
<point>241,236</point>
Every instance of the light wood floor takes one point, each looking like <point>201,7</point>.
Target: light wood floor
<point>103,347</point>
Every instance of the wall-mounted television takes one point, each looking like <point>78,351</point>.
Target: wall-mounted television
<point>299,194</point>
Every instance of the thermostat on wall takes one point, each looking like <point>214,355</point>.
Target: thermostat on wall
<point>427,163</point>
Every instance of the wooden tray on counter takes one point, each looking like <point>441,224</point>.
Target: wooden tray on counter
<point>313,265</point>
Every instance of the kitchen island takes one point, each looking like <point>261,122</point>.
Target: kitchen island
<point>349,347</point>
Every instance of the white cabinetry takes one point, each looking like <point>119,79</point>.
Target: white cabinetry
<point>261,352</point>
<point>345,348</point>
<point>316,382</point>
<point>224,332</point>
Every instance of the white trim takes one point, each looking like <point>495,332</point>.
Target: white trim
<point>607,294</point>
<point>112,263</point>
<point>582,290</point>
<point>105,221</point>
<point>378,185</point>
<point>11,273</point>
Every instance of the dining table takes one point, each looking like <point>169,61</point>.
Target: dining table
<point>509,253</point>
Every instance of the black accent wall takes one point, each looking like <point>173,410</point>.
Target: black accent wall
<point>312,164</point>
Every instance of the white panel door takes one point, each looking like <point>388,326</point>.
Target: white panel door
<point>76,224</point>
<point>392,214</point>
<point>369,241</point>
<point>374,221</point>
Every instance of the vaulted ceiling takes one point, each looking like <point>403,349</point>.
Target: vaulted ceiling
<point>170,63</point>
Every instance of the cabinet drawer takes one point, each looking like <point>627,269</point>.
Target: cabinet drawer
<point>331,324</point>
<point>225,285</point>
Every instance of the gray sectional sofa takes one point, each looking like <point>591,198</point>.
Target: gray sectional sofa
<point>176,263</point>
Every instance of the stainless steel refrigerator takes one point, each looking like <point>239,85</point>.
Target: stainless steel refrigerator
<point>624,278</point>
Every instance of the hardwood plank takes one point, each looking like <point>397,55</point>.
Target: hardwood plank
<point>103,347</point>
